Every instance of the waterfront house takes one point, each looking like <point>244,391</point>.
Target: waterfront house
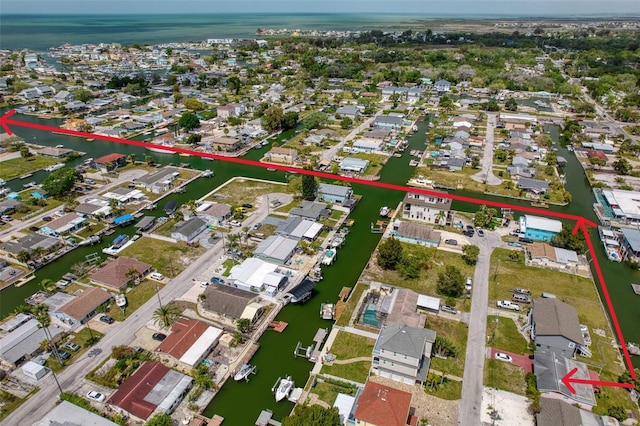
<point>214,213</point>
<point>297,228</point>
<point>66,224</point>
<point>189,230</point>
<point>255,274</point>
<point>83,306</point>
<point>110,162</point>
<point>8,206</point>
<point>388,122</point>
<point>426,208</point>
<point>554,326</point>
<point>619,205</point>
<point>24,342</point>
<point>539,228</point>
<point>382,405</point>
<point>159,181</point>
<point>276,249</point>
<point>550,368</point>
<point>547,256</point>
<point>416,233</point>
<point>630,244</point>
<point>30,243</point>
<point>368,146</point>
<point>39,194</point>
<point>227,303</point>
<point>310,210</point>
<point>189,342</point>
<point>153,388</point>
<point>222,143</point>
<point>52,152</point>
<point>354,165</point>
<point>124,195</point>
<point>535,187</point>
<point>402,353</point>
<point>282,155</point>
<point>554,411</point>
<point>336,194</point>
<point>119,272</point>
<point>94,208</point>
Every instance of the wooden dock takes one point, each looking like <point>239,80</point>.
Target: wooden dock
<point>278,326</point>
<point>636,288</point>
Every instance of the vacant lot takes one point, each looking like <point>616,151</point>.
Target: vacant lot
<point>246,191</point>
<point>348,346</point>
<point>456,332</point>
<point>166,257</point>
<point>502,333</point>
<point>19,166</point>
<point>505,376</point>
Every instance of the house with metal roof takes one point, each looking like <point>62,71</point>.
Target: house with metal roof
<point>24,342</point>
<point>416,233</point>
<point>336,194</point>
<point>355,165</point>
<point>382,405</point>
<point>555,412</point>
<point>153,388</point>
<point>298,228</point>
<point>68,223</point>
<point>539,228</point>
<point>554,326</point>
<point>276,249</point>
<point>189,342</point>
<point>402,353</point>
<point>302,292</point>
<point>227,302</point>
<point>66,413</point>
<point>29,243</point>
<point>368,146</point>
<point>442,86</point>
<point>94,208</point>
<point>388,121</point>
<point>550,367</point>
<point>189,230</point>
<point>255,274</point>
<point>547,256</point>
<point>159,181</point>
<point>630,244</point>
<point>310,210</point>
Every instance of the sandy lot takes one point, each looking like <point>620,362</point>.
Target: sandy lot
<point>511,408</point>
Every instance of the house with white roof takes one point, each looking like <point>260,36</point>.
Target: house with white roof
<point>189,342</point>
<point>256,275</point>
<point>539,228</point>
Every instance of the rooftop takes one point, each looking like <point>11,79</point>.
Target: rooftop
<point>555,318</point>
<point>383,405</point>
<point>86,302</point>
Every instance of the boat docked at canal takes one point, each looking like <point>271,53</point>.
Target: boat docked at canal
<point>54,167</point>
<point>160,148</point>
<point>284,388</point>
<point>611,244</point>
<point>329,257</point>
<point>207,173</point>
<point>384,211</point>
<point>244,372</point>
<point>120,241</point>
<point>327,311</point>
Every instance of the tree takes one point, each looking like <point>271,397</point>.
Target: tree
<point>409,267</point>
<point>132,158</point>
<point>619,412</point>
<point>475,162</point>
<point>444,347</point>
<point>446,103</point>
<point>61,181</point>
<point>567,240</point>
<point>315,415</point>
<point>41,313</point>
<point>389,253</point>
<point>82,95</point>
<point>470,254</point>
<point>165,316</point>
<point>309,187</point>
<point>511,105</point>
<point>244,325</point>
<point>25,152</point>
<point>315,120</point>
<point>188,121</point>
<point>290,120</point>
<point>484,216</point>
<point>622,166</point>
<point>148,159</point>
<point>194,139</point>
<point>272,119</point>
<point>450,282</point>
<point>492,105</point>
<point>48,285</point>
<point>234,84</point>
<point>160,419</point>
<point>346,123</point>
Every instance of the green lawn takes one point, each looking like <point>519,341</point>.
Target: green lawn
<point>376,161</point>
<point>351,304</point>
<point>452,179</point>
<point>136,297</point>
<point>9,403</point>
<point>247,191</point>
<point>166,257</point>
<point>356,371</point>
<point>503,334</point>
<point>166,228</point>
<point>348,346</point>
<point>456,332</point>
<point>19,166</point>
<point>328,392</point>
<point>505,376</point>
<point>449,389</point>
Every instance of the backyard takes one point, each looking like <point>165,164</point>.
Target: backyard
<point>505,376</point>
<point>136,297</point>
<point>19,166</point>
<point>165,257</point>
<point>456,332</point>
<point>347,347</point>
<point>502,333</point>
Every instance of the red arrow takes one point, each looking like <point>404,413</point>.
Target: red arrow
<point>568,379</point>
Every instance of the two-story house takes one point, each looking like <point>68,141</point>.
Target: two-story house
<point>282,155</point>
<point>426,208</point>
<point>555,327</point>
<point>402,353</point>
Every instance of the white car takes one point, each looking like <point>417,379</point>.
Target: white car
<point>502,357</point>
<point>235,223</point>
<point>505,304</point>
<point>96,396</point>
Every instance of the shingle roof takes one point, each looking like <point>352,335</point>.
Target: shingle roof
<point>383,405</point>
<point>555,318</point>
<point>225,300</point>
<point>418,231</point>
<point>114,273</point>
<point>555,412</point>
<point>405,340</point>
<point>85,302</point>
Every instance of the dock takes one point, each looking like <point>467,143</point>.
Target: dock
<point>636,288</point>
<point>312,352</point>
<point>278,326</point>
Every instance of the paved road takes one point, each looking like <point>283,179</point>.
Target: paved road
<point>329,154</point>
<point>470,405</point>
<point>486,175</point>
<point>72,377</point>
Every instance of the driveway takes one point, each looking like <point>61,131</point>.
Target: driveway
<point>486,175</point>
<point>520,360</point>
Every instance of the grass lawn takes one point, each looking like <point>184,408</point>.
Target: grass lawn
<point>452,179</point>
<point>136,297</point>
<point>356,371</point>
<point>247,191</point>
<point>505,376</point>
<point>426,283</point>
<point>166,228</point>
<point>450,390</point>
<point>166,257</point>
<point>345,318</point>
<point>228,264</point>
<point>456,332</point>
<point>20,166</point>
<point>376,161</point>
<point>328,392</point>
<point>83,337</point>
<point>347,346</point>
<point>91,229</point>
<point>503,334</point>
<point>9,403</point>
<point>51,203</point>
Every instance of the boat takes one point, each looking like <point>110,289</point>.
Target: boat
<point>329,257</point>
<point>384,211</point>
<point>151,206</point>
<point>271,169</point>
<point>265,143</point>
<point>2,182</point>
<point>184,154</point>
<point>207,173</point>
<point>157,147</point>
<point>29,184</point>
<point>54,167</point>
<point>94,239</point>
<point>243,373</point>
<point>327,311</point>
<point>121,300</point>
<point>170,207</point>
<point>540,204</point>
<point>62,283</point>
<point>180,190</point>
<point>284,388</point>
<point>60,146</point>
<point>120,241</point>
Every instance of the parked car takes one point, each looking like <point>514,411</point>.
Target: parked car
<point>47,218</point>
<point>34,229</point>
<point>524,291</point>
<point>502,357</point>
<point>159,337</point>
<point>480,232</point>
<point>96,396</point>
<point>525,240</point>
<point>217,280</point>
<point>449,309</point>
<point>107,319</point>
<point>257,226</point>
<point>468,284</point>
<point>71,346</point>
<point>247,206</point>
<point>514,244</point>
<point>505,304</point>
<point>234,223</point>
<point>451,242</point>
<point>470,228</point>
<point>156,276</point>
<point>7,218</point>
<point>506,223</point>
<point>204,284</point>
<point>64,355</point>
<point>90,181</point>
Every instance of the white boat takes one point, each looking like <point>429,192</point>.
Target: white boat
<point>327,311</point>
<point>244,372</point>
<point>151,206</point>
<point>271,169</point>
<point>54,167</point>
<point>121,300</point>
<point>207,173</point>
<point>384,211</point>
<point>29,185</point>
<point>94,239</point>
<point>157,147</point>
<point>329,257</point>
<point>284,388</point>
<point>60,146</point>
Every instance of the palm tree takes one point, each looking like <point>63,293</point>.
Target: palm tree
<point>132,158</point>
<point>23,309</point>
<point>48,285</point>
<point>165,316</point>
<point>41,313</point>
<point>440,217</point>
<point>148,159</point>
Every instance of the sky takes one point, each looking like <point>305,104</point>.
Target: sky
<point>547,8</point>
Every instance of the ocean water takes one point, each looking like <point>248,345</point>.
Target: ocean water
<point>42,32</point>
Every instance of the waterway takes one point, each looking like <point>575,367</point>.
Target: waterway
<point>275,357</point>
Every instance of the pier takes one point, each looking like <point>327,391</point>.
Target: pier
<point>278,326</point>
<point>312,352</point>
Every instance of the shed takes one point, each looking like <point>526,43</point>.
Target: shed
<point>428,303</point>
<point>33,370</point>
